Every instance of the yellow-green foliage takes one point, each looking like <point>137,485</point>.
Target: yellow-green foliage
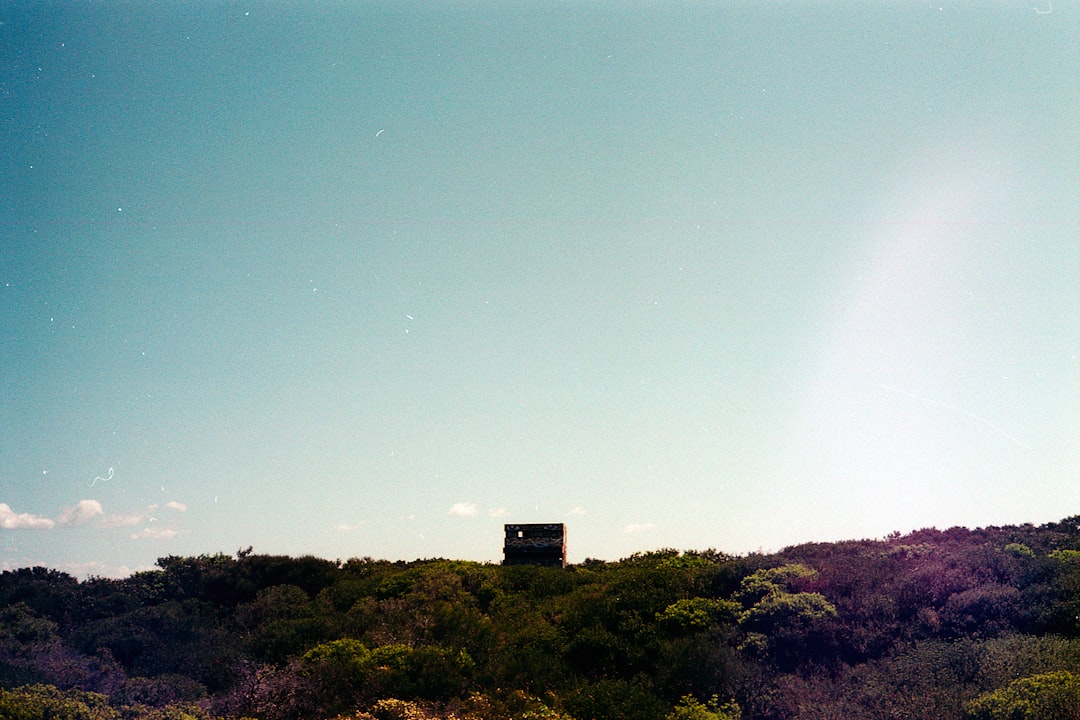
<point>1019,550</point>
<point>516,706</point>
<point>697,613</point>
<point>45,702</point>
<point>142,712</point>
<point>769,602</point>
<point>690,708</point>
<point>398,670</point>
<point>393,709</point>
<point>765,582</point>
<point>1049,696</point>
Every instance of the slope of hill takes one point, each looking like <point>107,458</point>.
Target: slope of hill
<point>965,624</point>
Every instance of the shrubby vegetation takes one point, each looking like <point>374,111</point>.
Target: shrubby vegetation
<point>944,625</point>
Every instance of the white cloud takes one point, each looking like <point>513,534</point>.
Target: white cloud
<point>633,528</point>
<point>11,520</point>
<point>577,511</point>
<point>84,512</point>
<point>346,527</point>
<point>463,509</point>
<point>498,512</point>
<point>112,521</point>
<point>154,533</point>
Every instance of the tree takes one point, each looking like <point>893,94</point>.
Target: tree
<point>348,671</point>
<point>789,626</point>
<point>283,623</point>
<point>50,593</point>
<point>615,699</point>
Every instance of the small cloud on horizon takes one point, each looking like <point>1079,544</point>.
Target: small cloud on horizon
<point>463,509</point>
<point>98,569</point>
<point>577,511</point>
<point>178,506</point>
<point>498,512</point>
<point>633,528</point>
<point>81,570</point>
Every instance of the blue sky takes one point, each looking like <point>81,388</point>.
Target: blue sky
<point>374,279</point>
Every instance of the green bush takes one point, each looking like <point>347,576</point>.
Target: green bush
<point>690,708</point>
<point>1049,696</point>
<point>45,702</point>
<point>697,613</point>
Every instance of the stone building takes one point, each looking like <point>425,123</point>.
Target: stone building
<point>535,544</point>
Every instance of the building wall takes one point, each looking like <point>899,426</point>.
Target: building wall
<point>535,544</point>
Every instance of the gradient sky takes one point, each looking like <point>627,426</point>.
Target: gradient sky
<point>372,279</point>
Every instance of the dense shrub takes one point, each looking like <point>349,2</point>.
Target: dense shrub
<point>931,625</point>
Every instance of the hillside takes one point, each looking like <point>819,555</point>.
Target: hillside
<point>955,624</point>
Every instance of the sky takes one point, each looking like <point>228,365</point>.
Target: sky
<point>373,279</point>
